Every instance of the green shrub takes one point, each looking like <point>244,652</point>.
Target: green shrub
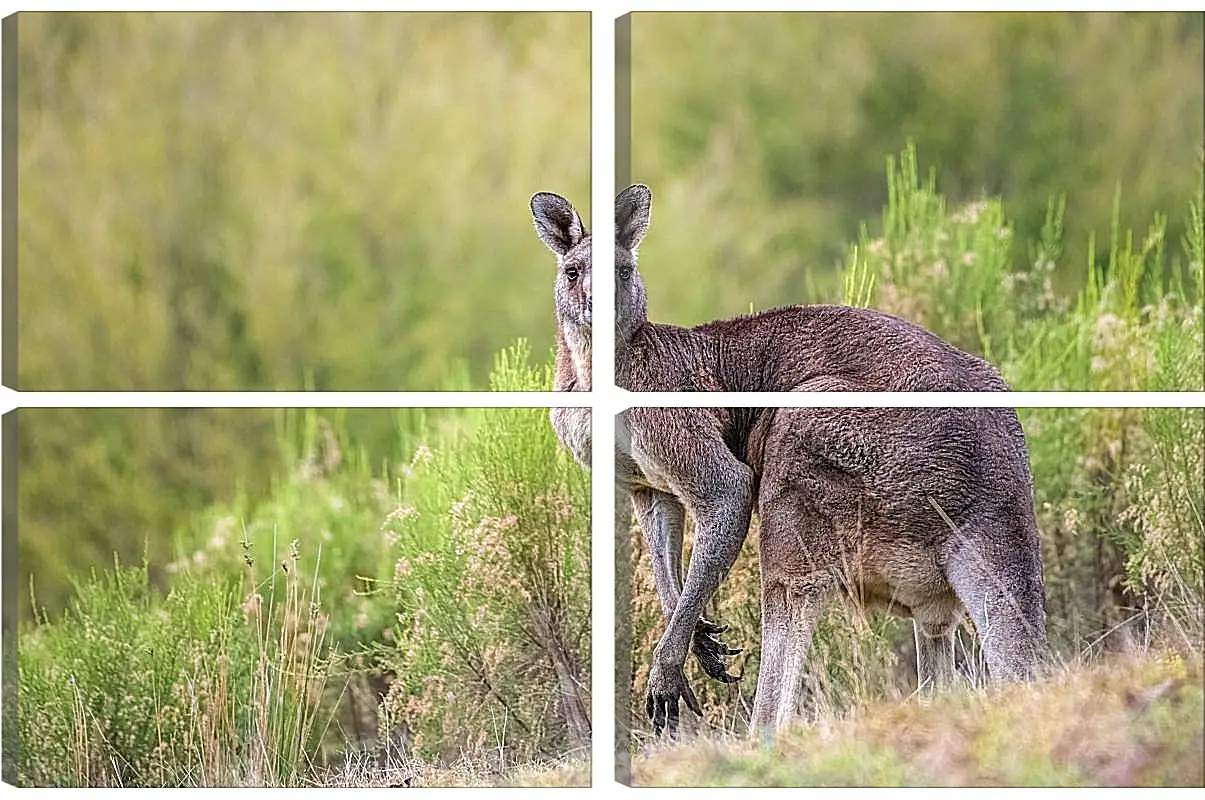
<point>463,569</point>
<point>492,588</point>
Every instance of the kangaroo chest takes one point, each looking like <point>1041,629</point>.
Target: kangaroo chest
<point>572,427</point>
<point>634,468</point>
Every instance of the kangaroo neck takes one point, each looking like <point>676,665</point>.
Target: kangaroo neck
<point>631,357</point>
<point>666,358</point>
<point>573,358</point>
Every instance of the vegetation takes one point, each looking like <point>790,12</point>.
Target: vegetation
<point>493,644</point>
<point>284,215</point>
<point>289,201</point>
<point>422,622</point>
<point>267,201</point>
<point>212,685</point>
<point>763,135</point>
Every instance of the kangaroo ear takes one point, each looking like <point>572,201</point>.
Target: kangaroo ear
<point>557,222</point>
<point>632,215</point>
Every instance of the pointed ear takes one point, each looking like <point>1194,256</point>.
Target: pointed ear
<point>632,215</point>
<point>557,223</point>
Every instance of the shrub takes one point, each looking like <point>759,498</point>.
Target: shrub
<point>492,588</point>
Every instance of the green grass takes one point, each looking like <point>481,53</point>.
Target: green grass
<point>210,685</point>
<point>1136,325</point>
<point>1132,721</point>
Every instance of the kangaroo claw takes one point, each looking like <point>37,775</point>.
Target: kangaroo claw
<point>666,687</point>
<point>708,627</point>
<point>710,651</point>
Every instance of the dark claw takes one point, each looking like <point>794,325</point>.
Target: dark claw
<point>664,714</point>
<point>708,627</point>
<point>711,651</point>
<point>692,702</point>
<point>661,704</point>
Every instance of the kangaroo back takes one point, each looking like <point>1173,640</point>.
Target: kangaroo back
<point>795,348</point>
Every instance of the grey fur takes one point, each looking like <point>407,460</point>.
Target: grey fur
<point>920,511</point>
<point>560,228</point>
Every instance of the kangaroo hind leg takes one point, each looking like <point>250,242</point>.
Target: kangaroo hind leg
<point>934,626</point>
<point>995,568</point>
<point>789,620</point>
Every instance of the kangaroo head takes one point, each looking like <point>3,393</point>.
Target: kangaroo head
<point>560,228</point>
<point>632,207</point>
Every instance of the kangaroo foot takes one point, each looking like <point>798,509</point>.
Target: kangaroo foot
<point>666,686</point>
<point>711,651</point>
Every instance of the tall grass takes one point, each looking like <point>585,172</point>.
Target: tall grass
<point>1135,325</point>
<point>208,686</point>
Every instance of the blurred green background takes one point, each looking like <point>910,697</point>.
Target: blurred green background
<point>764,136</point>
<point>339,201</point>
<point>95,483</point>
<point>268,201</point>
<point>335,201</point>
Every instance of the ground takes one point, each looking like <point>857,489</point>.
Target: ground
<point>1125,722</point>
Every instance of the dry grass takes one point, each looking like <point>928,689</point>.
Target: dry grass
<point>1129,722</point>
<point>367,773</point>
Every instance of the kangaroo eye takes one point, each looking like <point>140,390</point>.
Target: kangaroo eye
<point>625,273</point>
<point>571,273</point>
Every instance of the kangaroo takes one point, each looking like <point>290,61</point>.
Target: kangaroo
<point>560,228</point>
<point>717,461</point>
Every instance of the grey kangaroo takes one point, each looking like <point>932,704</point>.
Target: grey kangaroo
<point>851,503</point>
